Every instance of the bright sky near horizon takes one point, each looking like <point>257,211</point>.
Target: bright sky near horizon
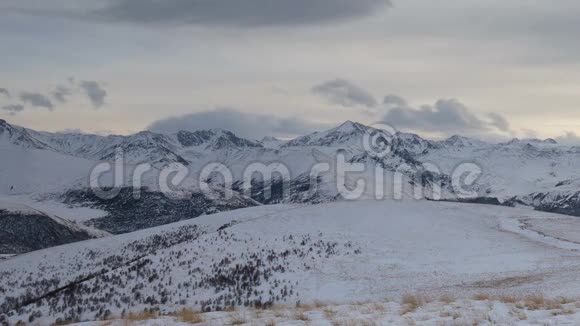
<point>488,68</point>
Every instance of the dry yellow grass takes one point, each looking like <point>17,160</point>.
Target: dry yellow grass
<point>508,298</point>
<point>447,298</point>
<point>565,300</point>
<point>144,315</point>
<point>63,323</point>
<point>300,315</point>
<point>316,305</point>
<point>354,322</point>
<point>368,314</point>
<point>378,307</point>
<point>279,313</point>
<point>535,302</point>
<point>410,321</point>
<point>238,319</point>
<point>329,313</point>
<point>411,302</point>
<point>563,312</point>
<point>445,314</point>
<point>189,316</point>
<point>319,304</point>
<point>230,309</point>
<point>481,297</point>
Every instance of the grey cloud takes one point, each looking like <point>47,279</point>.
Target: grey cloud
<point>529,133</point>
<point>92,89</point>
<point>13,108</point>
<point>249,125</point>
<point>95,92</point>
<point>345,93</point>
<point>569,138</point>
<point>499,121</point>
<point>445,117</point>
<point>394,100</point>
<point>61,93</point>
<point>37,100</point>
<point>247,13</point>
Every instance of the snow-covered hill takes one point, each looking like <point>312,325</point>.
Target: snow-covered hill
<point>282,254</point>
<point>24,229</point>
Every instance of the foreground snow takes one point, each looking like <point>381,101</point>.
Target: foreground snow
<point>533,310</point>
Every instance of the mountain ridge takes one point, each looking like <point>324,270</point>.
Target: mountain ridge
<point>225,139</point>
<point>537,173</point>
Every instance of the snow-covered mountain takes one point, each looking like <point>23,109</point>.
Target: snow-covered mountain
<point>537,173</point>
<point>348,133</point>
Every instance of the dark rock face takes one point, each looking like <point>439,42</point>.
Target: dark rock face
<point>21,233</point>
<point>477,200</point>
<point>277,191</point>
<point>127,214</point>
<point>229,140</point>
<point>568,204</point>
<point>343,134</point>
<point>216,139</point>
<point>482,200</point>
<point>545,202</point>
<point>196,138</point>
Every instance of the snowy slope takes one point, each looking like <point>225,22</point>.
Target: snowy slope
<point>339,252</point>
<point>39,171</point>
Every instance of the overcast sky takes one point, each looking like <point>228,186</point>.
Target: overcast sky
<point>488,68</point>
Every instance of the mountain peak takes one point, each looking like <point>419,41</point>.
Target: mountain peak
<point>512,141</point>
<point>349,126</point>
<point>347,132</point>
<point>549,141</point>
<point>270,139</point>
<point>456,137</point>
<point>461,141</point>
